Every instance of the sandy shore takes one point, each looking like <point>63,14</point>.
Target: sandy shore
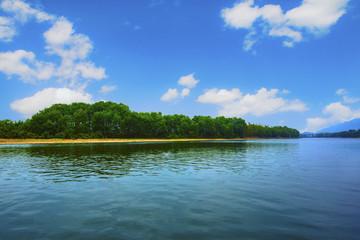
<point>62,141</point>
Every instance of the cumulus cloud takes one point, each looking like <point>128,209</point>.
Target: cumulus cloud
<point>241,15</point>
<point>73,49</point>
<point>23,11</point>
<point>312,17</point>
<point>59,34</point>
<point>188,81</point>
<point>89,71</point>
<point>170,95</point>
<point>220,96</point>
<point>108,88</point>
<point>316,15</point>
<point>46,98</point>
<point>264,102</point>
<point>61,40</point>
<point>316,124</point>
<point>338,113</point>
<point>185,92</point>
<point>19,13</point>
<point>23,64</point>
<point>69,63</point>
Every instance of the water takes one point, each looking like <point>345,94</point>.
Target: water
<point>261,189</point>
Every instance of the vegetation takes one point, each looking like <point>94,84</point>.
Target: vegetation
<point>112,120</point>
<point>344,134</point>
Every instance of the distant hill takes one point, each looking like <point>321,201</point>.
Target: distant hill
<point>307,135</point>
<point>345,126</point>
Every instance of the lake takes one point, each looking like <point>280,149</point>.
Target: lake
<point>256,189</point>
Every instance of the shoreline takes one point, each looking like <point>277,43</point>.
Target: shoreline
<point>117,140</point>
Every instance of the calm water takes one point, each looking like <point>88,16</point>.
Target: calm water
<point>263,189</point>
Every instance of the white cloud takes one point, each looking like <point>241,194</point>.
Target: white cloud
<point>242,15</point>
<point>249,41</point>
<point>59,34</point>
<point>338,112</point>
<point>7,30</point>
<point>264,102</point>
<point>61,40</point>
<point>108,88</point>
<point>88,70</point>
<point>46,98</point>
<point>24,11</point>
<point>341,91</point>
<point>316,15</point>
<point>292,35</point>
<point>173,94</point>
<point>23,64</point>
<point>4,20</point>
<point>316,124</point>
<point>73,49</point>
<point>311,17</point>
<point>170,95</point>
<point>188,81</point>
<point>272,13</point>
<point>185,92</point>
<point>222,96</point>
<point>19,12</point>
<point>346,97</point>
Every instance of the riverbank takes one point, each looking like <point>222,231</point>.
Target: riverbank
<point>67,141</point>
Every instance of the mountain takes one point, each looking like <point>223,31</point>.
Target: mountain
<point>345,126</point>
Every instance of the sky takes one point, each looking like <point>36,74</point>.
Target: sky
<point>271,62</point>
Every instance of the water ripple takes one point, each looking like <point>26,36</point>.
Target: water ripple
<point>264,189</point>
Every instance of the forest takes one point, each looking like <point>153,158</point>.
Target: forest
<point>116,120</point>
<point>345,134</point>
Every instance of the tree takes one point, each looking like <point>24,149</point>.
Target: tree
<point>112,120</point>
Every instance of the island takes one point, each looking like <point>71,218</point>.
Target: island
<point>109,120</point>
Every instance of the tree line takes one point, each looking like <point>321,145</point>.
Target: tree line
<point>116,120</point>
<point>345,134</point>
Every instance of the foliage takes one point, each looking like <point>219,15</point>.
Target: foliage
<point>345,134</point>
<point>112,120</point>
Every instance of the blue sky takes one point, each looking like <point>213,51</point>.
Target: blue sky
<point>271,62</point>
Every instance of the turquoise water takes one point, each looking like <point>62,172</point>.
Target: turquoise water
<point>261,189</point>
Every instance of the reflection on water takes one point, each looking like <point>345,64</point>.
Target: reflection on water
<point>261,189</point>
<point>79,162</point>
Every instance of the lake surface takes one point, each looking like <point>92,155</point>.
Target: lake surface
<point>261,189</point>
